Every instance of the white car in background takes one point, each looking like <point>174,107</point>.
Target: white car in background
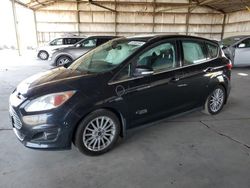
<point>237,49</point>
<point>45,51</point>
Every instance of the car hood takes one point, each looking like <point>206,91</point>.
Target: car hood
<point>55,77</point>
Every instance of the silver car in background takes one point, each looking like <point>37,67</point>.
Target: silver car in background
<point>67,55</point>
<point>43,52</point>
<point>237,49</point>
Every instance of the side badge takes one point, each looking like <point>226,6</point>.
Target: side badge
<point>120,90</point>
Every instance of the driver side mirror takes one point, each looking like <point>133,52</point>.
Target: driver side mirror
<point>142,70</point>
<point>78,45</point>
<point>242,45</point>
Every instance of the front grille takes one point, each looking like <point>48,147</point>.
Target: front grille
<point>15,119</point>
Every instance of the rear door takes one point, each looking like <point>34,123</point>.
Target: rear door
<point>196,63</point>
<point>242,53</point>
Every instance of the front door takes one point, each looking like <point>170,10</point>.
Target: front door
<point>152,96</point>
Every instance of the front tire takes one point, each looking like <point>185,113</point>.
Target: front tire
<point>43,55</point>
<point>215,101</point>
<point>97,133</point>
<point>63,60</point>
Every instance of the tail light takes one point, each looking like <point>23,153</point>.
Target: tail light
<point>229,65</point>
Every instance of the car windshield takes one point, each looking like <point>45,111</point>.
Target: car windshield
<point>229,41</point>
<point>107,56</point>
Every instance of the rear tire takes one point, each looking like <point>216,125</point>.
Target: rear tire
<point>43,55</point>
<point>215,101</point>
<point>97,133</point>
<point>63,60</point>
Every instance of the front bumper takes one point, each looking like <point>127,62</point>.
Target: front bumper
<point>54,133</point>
<point>44,136</point>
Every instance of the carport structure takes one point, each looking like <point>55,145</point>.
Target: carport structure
<point>192,150</point>
<point>213,19</point>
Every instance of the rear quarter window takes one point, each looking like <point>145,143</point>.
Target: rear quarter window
<point>194,52</point>
<point>212,50</point>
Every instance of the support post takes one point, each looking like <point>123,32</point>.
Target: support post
<point>78,17</point>
<point>154,7</point>
<point>35,21</point>
<point>223,26</point>
<point>115,18</point>
<point>187,18</point>
<point>16,27</point>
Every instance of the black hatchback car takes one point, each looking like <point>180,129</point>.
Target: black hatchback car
<point>117,86</point>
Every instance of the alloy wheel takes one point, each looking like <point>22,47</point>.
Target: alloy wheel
<point>99,133</point>
<point>216,100</point>
<point>63,61</point>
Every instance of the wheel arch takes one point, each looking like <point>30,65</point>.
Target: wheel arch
<point>113,110</point>
<point>222,81</point>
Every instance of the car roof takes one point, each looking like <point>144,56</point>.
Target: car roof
<point>156,37</point>
<point>98,36</point>
<point>72,37</point>
<point>102,36</point>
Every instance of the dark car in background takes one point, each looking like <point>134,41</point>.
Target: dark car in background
<point>237,49</point>
<point>116,87</point>
<point>43,52</point>
<point>68,55</point>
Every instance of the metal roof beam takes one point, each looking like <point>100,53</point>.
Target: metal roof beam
<point>99,5</point>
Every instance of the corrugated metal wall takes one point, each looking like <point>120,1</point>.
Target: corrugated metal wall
<point>133,17</point>
<point>237,23</point>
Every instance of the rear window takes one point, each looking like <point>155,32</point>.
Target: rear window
<point>229,41</point>
<point>212,50</point>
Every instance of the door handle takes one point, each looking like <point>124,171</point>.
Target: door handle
<point>174,79</point>
<point>209,69</point>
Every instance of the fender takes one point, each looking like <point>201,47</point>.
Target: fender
<point>218,78</point>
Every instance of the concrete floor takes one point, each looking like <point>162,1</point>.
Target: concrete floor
<point>194,150</point>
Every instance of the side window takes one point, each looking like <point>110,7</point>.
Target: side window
<point>124,74</point>
<point>244,44</point>
<point>212,50</point>
<point>91,43</point>
<point>101,41</point>
<point>159,58</point>
<point>68,41</point>
<point>193,52</point>
<point>57,42</point>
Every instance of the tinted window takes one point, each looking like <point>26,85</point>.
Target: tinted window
<point>159,58</point>
<point>193,52</point>
<point>212,50</point>
<point>101,41</point>
<point>230,41</point>
<point>68,41</point>
<point>246,42</point>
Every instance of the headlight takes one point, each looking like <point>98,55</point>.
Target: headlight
<point>49,101</point>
